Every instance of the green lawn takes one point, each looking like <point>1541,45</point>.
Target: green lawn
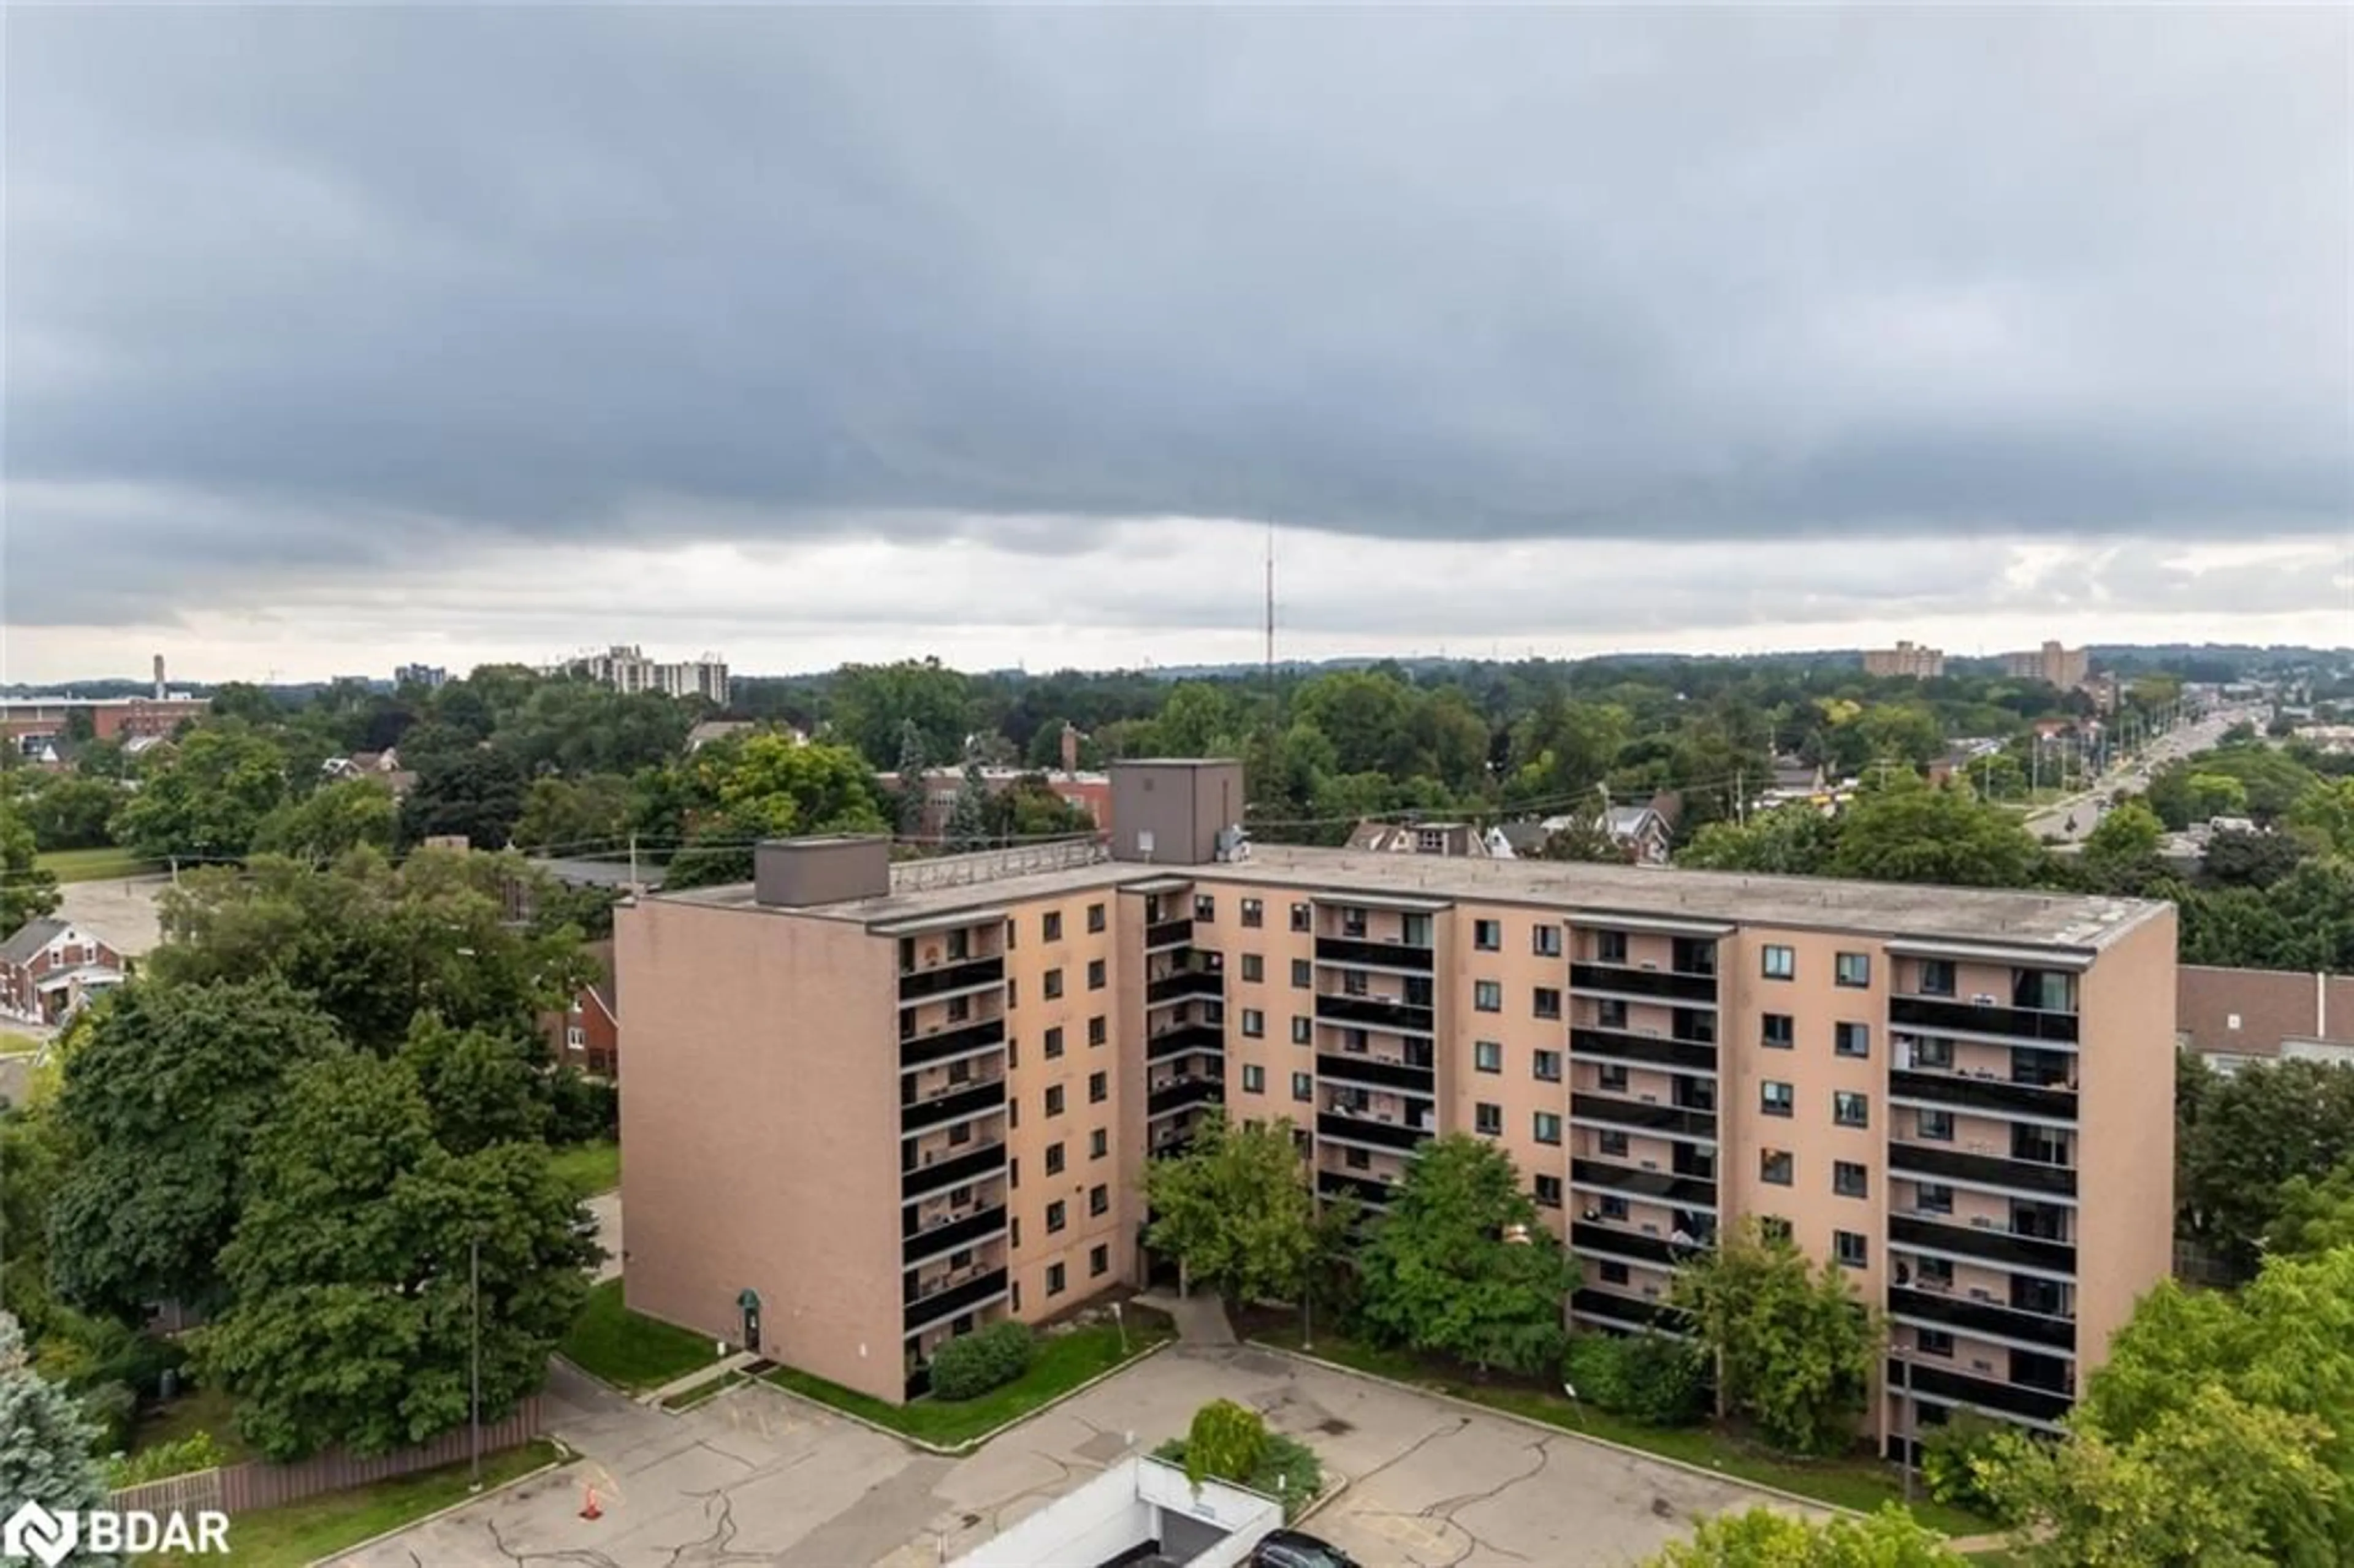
<point>1859,1484</point>
<point>305,1532</point>
<point>627,1350</point>
<point>590,1168</point>
<point>92,865</point>
<point>1061,1363</point>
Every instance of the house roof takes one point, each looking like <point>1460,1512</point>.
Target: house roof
<point>2250,1012</point>
<point>30,938</point>
<point>1522,836</point>
<point>609,988</point>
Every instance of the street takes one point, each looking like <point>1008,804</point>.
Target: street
<point>2073,819</point>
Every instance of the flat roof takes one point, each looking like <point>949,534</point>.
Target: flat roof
<point>1903,910</point>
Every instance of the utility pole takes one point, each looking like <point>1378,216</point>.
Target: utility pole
<point>474,1277</point>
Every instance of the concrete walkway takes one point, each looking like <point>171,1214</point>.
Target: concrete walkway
<point>1201,1320</point>
<point>698,1377</point>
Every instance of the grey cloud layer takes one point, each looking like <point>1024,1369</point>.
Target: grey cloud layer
<point>323,289</point>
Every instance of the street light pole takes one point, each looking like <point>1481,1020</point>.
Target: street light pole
<point>474,1278</point>
<point>1904,1368</point>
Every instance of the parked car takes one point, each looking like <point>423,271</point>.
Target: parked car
<point>1291,1548</point>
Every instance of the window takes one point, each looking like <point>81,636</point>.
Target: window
<point>1095,974</point>
<point>1852,1039</point>
<point>1777,1099</point>
<point>1054,1043</point>
<point>1611,1141</point>
<point>1610,947</point>
<point>1488,996</point>
<point>1095,916</point>
<point>1013,1184</point>
<point>1849,1109</point>
<point>1849,1247</point>
<point>1054,1280</point>
<point>576,1037</point>
<point>1612,1206</point>
<point>1934,1342</point>
<point>1488,1056</point>
<point>1611,1075</point>
<point>1053,1159</point>
<point>1933,1054</point>
<point>1099,1200</point>
<point>1774,1228</point>
<point>1054,986</point>
<point>1778,1031</point>
<point>1487,935</point>
<point>1548,1190</point>
<point>1099,1262</point>
<point>1546,1127</point>
<point>959,1009</point>
<point>1850,1180</point>
<point>1775,1167</point>
<point>1613,1273</point>
<point>1488,1120</point>
<point>1546,941</point>
<point>1205,908</point>
<point>1254,1024</point>
<point>1012,1053</point>
<point>1303,1029</point>
<point>1357,1159</point>
<point>1303,1087</point>
<point>1851,969</point>
<point>1098,1030</point>
<point>1781,963</point>
<point>1098,1144</point>
<point>1254,1078</point>
<point>1548,1066</point>
<point>1302,976</point>
<point>1009,935</point>
<point>1098,1088</point>
<point>1936,1273</point>
<point>1057,1216</point>
<point>1254,913</point>
<point>1610,1013</point>
<point>1051,926</point>
<point>1055,1099</point>
<point>1253,967</point>
<point>1012,991</point>
<point>1300,917</point>
<point>1937,976</point>
<point>1933,1197</point>
<point>1546,1002</point>
<point>1934,1126</point>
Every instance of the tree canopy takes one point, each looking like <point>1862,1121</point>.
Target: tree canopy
<point>1794,1347</point>
<point>1236,1208</point>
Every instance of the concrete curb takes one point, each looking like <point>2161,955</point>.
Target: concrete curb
<point>970,1444</point>
<point>1335,1484</point>
<point>565,1455</point>
<point>1722,1477</point>
<point>592,1377</point>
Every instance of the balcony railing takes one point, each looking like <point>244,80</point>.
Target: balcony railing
<point>1991,1390</point>
<point>1630,1311</point>
<point>1374,1013</point>
<point>1353,1068</point>
<point>917,1050</point>
<point>951,1171</point>
<point>1184,1092</point>
<point>964,1230</point>
<point>1186,983</point>
<point>970,1289</point>
<point>1660,1186</point>
<point>1665,1120</point>
<point>1987,1096</point>
<point>1185,1037</point>
<point>1364,1189</point>
<point>1942,1164</point>
<point>1661,1252</point>
<point>1365,1128</point>
<point>963,974</point>
<point>1987,1242</point>
<point>1163,934</point>
<point>1944,1014</point>
<point>972,1099</point>
<point>1655,985</point>
<point>1646,1050</point>
<point>1952,1310</point>
<point>1377,955</point>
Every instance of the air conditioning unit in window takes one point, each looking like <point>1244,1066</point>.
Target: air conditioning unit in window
<point>1650,963</point>
<point>1648,1034</point>
<point>1650,1165</point>
<point>1982,1000</point>
<point>1650,1099</point>
<point>1650,1230</point>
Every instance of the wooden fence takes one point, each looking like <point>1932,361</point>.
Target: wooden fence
<point>238,1488</point>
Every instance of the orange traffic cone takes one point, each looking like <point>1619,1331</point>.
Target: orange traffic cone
<point>589,1509</point>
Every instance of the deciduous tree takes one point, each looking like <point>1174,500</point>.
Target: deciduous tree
<point>1794,1346</point>
<point>332,820</point>
<point>1910,831</point>
<point>28,892</point>
<point>210,798</point>
<point>1237,1211</point>
<point>2242,1137</point>
<point>1763,1538</point>
<point>475,794</point>
<point>1788,841</point>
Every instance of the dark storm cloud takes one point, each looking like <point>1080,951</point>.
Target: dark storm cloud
<point>318,290</point>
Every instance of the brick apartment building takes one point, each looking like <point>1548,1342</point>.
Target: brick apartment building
<point>30,723</point>
<point>2054,664</point>
<point>879,1105</point>
<point>1906,659</point>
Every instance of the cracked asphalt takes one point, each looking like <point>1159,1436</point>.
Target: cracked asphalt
<point>755,1477</point>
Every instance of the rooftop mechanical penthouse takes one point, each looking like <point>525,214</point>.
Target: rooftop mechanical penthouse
<point>872,1105</point>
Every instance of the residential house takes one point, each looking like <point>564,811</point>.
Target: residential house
<point>2230,1018</point>
<point>50,967</point>
<point>1418,837</point>
<point>1090,792</point>
<point>588,1034</point>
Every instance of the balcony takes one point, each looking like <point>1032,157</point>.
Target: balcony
<point>974,1289</point>
<point>965,1230</point>
<point>970,1100</point>
<point>966,974</point>
<point>1987,1242</point>
<point>917,1049</point>
<point>1353,1068</point>
<point>1164,933</point>
<point>1374,955</point>
<point>1177,1096</point>
<point>1987,1390</point>
<point>1649,985</point>
<point>1985,1095</point>
<point>1374,1013</point>
<point>1631,1312</point>
<point>1941,1164</point>
<point>1945,1015</point>
<point>1185,1037</point>
<point>1967,1314</point>
<point>1658,1186</point>
<point>1666,1121</point>
<point>1183,984</point>
<point>1659,1251</point>
<point>1646,1050</point>
<point>953,1170</point>
<point>1369,1130</point>
<point>1366,1190</point>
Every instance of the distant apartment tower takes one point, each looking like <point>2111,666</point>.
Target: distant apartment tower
<point>873,1106</point>
<point>1906,659</point>
<point>2065,668</point>
<point>628,670</point>
<point>430,676</point>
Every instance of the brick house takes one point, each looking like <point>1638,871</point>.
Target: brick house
<point>588,1034</point>
<point>50,967</point>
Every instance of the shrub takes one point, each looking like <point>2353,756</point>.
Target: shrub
<point>581,1108</point>
<point>974,1363</point>
<point>190,1453</point>
<point>1287,1469</point>
<point>1652,1378</point>
<point>109,1408</point>
<point>1226,1442</point>
<point>1949,1454</point>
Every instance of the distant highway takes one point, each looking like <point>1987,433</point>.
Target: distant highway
<point>2071,820</point>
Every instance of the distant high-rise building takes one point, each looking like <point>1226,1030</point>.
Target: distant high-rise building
<point>628,670</point>
<point>429,676</point>
<point>2063,667</point>
<point>1905,659</point>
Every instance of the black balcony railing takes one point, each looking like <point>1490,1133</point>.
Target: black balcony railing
<point>1184,1092</point>
<point>1951,1309</point>
<point>1982,1018</point>
<point>917,1050</point>
<point>1991,1243</point>
<point>1630,1311</point>
<point>978,1225</point>
<point>971,1101</point>
<point>1987,1390</point>
<point>1185,1037</point>
<point>1660,985</point>
<point>1657,1251</point>
<point>962,1297</point>
<point>1660,1186</point>
<point>1943,1164</point>
<point>1364,1189</point>
<point>1373,1012</point>
<point>1368,1128</point>
<point>951,1171</point>
<point>1665,1120</point>
<point>1168,934</point>
<point>1185,983</point>
<point>1352,1067</point>
<point>1989,1097</point>
<point>915,985</point>
<point>1648,1050</point>
<point>1379,955</point>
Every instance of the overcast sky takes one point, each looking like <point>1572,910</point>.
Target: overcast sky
<point>339,338</point>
